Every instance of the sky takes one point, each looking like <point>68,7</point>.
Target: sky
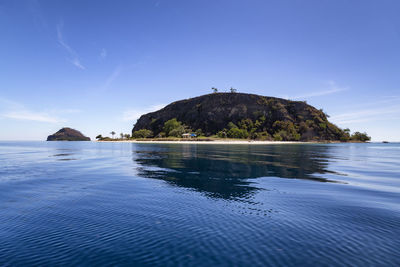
<point>96,66</point>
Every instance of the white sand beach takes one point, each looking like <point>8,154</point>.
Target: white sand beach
<point>211,142</point>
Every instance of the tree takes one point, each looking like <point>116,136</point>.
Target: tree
<point>362,137</point>
<point>286,131</point>
<point>171,125</point>
<point>99,137</point>
<point>238,133</point>
<point>231,125</point>
<point>278,137</point>
<point>112,133</point>
<point>142,133</point>
<point>215,90</point>
<point>262,136</point>
<point>122,135</point>
<point>345,135</point>
<point>222,134</point>
<point>233,90</point>
<point>127,136</point>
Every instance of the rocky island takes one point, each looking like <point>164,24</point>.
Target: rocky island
<point>243,116</point>
<point>67,134</point>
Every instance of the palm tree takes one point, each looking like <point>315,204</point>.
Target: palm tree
<point>215,90</point>
<point>122,135</point>
<point>112,133</point>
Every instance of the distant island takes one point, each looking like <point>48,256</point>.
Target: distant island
<point>240,116</point>
<point>67,134</point>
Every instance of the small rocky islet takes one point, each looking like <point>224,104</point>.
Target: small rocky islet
<point>68,134</point>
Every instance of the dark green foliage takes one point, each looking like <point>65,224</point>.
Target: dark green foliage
<point>262,136</point>
<point>238,133</point>
<point>286,131</point>
<point>170,125</point>
<point>177,132</point>
<point>174,128</point>
<point>278,137</point>
<point>246,124</point>
<point>345,135</point>
<point>222,133</point>
<point>142,133</point>
<point>362,137</point>
<point>231,125</point>
<point>99,137</point>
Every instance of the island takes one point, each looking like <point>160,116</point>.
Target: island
<point>241,116</point>
<point>67,134</point>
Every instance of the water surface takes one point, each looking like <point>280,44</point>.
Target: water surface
<point>88,203</point>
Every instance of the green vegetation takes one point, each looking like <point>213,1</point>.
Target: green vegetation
<point>171,125</point>
<point>247,129</point>
<point>259,130</point>
<point>171,128</point>
<point>174,128</point>
<point>238,133</point>
<point>143,133</point>
<point>361,137</point>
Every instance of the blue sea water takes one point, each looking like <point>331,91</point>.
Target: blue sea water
<point>126,204</point>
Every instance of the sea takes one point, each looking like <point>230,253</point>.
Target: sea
<point>143,204</point>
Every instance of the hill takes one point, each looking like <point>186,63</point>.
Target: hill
<point>241,115</point>
<point>67,134</point>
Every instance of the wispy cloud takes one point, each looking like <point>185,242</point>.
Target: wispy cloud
<point>65,111</point>
<point>17,111</point>
<point>114,75</point>
<point>366,115</point>
<point>28,115</point>
<point>332,88</point>
<point>134,114</point>
<point>74,58</point>
<point>103,53</point>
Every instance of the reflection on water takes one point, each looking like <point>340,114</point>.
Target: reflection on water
<point>99,210</point>
<point>224,170</point>
<point>64,154</point>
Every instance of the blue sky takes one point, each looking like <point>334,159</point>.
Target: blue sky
<point>97,65</point>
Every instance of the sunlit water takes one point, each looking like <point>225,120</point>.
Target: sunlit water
<point>87,203</point>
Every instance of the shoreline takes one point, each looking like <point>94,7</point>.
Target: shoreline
<point>215,142</point>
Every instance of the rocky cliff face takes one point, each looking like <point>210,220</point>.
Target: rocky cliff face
<point>268,116</point>
<point>67,134</point>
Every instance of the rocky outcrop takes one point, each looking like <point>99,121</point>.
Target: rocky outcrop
<point>258,115</point>
<point>67,134</point>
